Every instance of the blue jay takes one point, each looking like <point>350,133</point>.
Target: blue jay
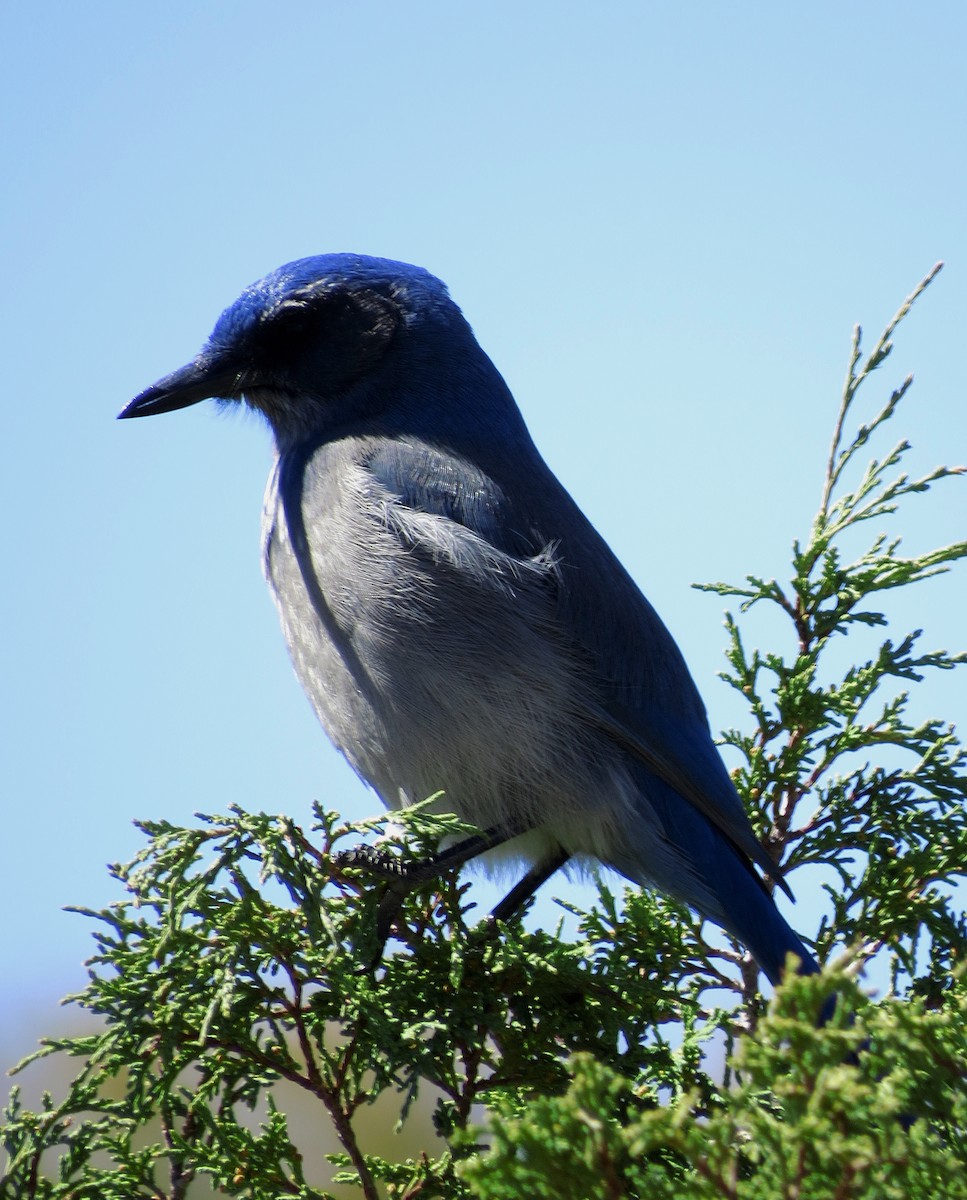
<point>455,620</point>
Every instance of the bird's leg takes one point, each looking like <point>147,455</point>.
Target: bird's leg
<point>403,876</point>
<point>521,892</point>
<point>397,870</point>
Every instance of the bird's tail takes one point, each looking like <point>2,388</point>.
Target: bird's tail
<point>694,862</point>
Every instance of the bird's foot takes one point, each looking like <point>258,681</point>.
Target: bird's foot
<point>380,862</point>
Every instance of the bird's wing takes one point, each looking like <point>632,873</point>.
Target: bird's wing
<point>646,701</point>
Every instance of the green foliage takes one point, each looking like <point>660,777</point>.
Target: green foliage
<point>243,960</point>
<point>804,1124</point>
<point>246,954</point>
<point>893,830</point>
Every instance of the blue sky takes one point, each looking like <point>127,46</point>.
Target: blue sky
<point>662,222</point>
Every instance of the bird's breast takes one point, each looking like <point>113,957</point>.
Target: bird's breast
<point>428,656</point>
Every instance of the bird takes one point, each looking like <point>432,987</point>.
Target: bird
<point>455,620</point>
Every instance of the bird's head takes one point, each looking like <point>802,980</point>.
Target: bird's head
<point>307,344</point>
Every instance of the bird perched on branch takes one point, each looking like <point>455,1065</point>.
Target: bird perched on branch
<point>455,620</point>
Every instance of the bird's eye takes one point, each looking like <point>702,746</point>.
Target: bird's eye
<point>335,335</point>
<point>288,328</point>
<point>292,315</point>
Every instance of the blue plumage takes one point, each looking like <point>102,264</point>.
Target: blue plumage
<point>454,618</point>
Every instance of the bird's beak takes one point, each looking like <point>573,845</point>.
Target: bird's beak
<point>202,379</point>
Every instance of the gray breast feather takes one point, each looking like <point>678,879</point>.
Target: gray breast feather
<point>407,595</point>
